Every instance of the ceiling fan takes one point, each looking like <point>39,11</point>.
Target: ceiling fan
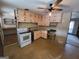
<point>53,6</point>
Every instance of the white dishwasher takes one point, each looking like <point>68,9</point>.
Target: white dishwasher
<point>24,36</point>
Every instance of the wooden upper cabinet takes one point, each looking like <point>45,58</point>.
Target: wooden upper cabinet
<point>39,20</point>
<point>35,19</point>
<point>25,16</point>
<point>56,16</point>
<point>45,21</point>
<point>31,17</point>
<point>20,15</point>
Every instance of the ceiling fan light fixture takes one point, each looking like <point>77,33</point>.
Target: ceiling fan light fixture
<point>50,13</point>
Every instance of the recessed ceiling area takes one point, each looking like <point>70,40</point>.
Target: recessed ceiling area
<point>34,4</point>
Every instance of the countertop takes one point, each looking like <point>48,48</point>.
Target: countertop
<point>41,28</point>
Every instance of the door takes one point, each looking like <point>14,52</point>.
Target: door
<point>78,31</point>
<point>1,45</point>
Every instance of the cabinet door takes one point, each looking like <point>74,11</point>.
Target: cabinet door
<point>27,16</point>
<point>20,15</point>
<point>24,16</point>
<point>37,35</point>
<point>39,20</point>
<point>34,19</point>
<point>44,34</point>
<point>46,22</point>
<point>56,17</point>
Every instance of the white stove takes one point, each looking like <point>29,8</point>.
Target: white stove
<point>24,37</point>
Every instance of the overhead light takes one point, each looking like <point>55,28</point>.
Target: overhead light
<point>50,14</point>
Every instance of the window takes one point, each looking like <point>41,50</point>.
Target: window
<point>71,26</point>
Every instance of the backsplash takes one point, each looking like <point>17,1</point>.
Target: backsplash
<point>27,25</point>
<point>53,24</point>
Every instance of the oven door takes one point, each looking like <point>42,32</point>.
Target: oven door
<point>24,39</point>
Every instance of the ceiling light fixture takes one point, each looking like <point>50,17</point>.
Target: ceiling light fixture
<point>50,13</point>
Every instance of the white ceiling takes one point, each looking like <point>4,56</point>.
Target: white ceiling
<point>73,4</point>
<point>33,4</point>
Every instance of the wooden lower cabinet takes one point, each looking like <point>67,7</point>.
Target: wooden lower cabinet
<point>44,34</point>
<point>38,34</point>
<point>10,36</point>
<point>10,39</point>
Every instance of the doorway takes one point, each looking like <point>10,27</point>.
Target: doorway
<point>1,44</point>
<point>73,32</point>
<point>71,27</point>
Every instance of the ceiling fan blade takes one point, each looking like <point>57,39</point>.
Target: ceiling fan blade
<point>40,8</point>
<point>58,2</point>
<point>59,9</point>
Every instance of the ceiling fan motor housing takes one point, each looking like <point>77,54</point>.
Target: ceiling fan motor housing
<point>50,9</point>
<point>51,5</point>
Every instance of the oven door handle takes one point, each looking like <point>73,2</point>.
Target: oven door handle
<point>23,32</point>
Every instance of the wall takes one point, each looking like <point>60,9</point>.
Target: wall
<point>75,14</point>
<point>8,14</point>
<point>62,28</point>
